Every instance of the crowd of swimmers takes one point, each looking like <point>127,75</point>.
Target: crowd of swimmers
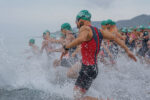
<point>81,51</point>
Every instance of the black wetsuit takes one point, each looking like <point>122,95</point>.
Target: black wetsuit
<point>89,69</point>
<point>147,54</point>
<point>132,45</point>
<point>127,40</point>
<point>144,48</point>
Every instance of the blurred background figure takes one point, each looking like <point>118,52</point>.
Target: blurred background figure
<point>34,49</point>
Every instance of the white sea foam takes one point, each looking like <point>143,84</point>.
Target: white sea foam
<point>126,81</point>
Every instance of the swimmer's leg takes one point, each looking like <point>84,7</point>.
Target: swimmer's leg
<point>79,95</point>
<point>86,76</point>
<point>73,72</point>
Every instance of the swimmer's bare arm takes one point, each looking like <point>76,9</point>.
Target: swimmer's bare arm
<point>118,34</point>
<point>84,35</point>
<point>109,36</point>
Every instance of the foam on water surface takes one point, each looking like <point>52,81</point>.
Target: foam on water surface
<point>36,78</point>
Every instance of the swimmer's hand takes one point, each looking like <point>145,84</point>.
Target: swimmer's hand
<point>65,50</point>
<point>131,55</point>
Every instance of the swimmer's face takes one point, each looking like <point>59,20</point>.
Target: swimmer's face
<point>80,23</point>
<point>111,27</point>
<point>108,27</point>
<point>44,36</point>
<point>63,31</point>
<point>103,27</point>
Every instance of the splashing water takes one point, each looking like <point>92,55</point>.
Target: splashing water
<point>36,79</point>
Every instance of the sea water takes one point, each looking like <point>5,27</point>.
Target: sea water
<point>37,79</point>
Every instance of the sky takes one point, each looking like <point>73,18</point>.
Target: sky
<point>35,16</point>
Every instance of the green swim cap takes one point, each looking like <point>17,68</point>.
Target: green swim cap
<point>44,33</point>
<point>66,26</point>
<point>124,30</point>
<point>32,41</point>
<point>129,30</point>
<point>134,27</point>
<point>138,30</point>
<point>84,15</point>
<point>142,27</point>
<point>113,23</point>
<point>148,27</point>
<point>110,22</point>
<point>104,23</point>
